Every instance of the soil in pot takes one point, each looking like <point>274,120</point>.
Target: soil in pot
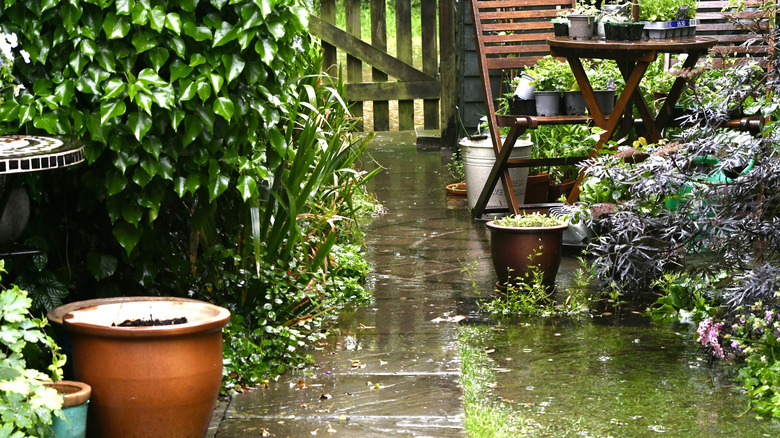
<point>151,322</point>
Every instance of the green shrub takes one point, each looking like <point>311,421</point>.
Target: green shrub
<point>219,163</point>
<point>26,405</point>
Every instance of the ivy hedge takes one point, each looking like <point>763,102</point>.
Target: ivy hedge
<point>218,160</point>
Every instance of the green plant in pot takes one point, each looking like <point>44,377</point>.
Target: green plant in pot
<point>522,245</point>
<point>606,80</point>
<point>564,141</point>
<point>665,10</point>
<point>551,77</point>
<point>582,20</point>
<point>27,406</point>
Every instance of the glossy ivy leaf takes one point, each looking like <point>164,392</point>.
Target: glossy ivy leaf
<point>141,177</point>
<point>247,186</point>
<point>124,7</point>
<point>217,185</point>
<point>267,50</point>
<point>127,235</point>
<point>198,33</point>
<point>158,57</point>
<point>179,70</point>
<point>178,46</point>
<point>207,116</point>
<point>173,23</point>
<point>177,116</point>
<point>106,60</point>
<point>187,90</point>
<point>139,123</point>
<point>224,107</point>
<point>113,88</point>
<point>124,159</point>
<point>157,18</point>
<point>224,34</point>
<point>109,110</point>
<point>101,266</point>
<point>115,26</point>
<point>234,65</point>
<point>204,90</point>
<point>192,129</point>
<point>71,13</point>
<point>188,5</point>
<point>143,41</point>
<point>115,183</point>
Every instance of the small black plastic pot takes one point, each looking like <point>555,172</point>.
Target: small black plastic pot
<point>561,29</point>
<point>635,31</point>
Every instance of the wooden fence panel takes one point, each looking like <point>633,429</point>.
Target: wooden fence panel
<point>354,64</point>
<point>430,57</point>
<point>403,37</point>
<point>379,41</point>
<point>390,78</point>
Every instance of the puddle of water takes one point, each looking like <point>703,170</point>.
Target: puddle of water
<point>629,378</point>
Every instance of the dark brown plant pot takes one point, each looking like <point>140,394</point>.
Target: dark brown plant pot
<point>536,188</point>
<point>555,191</point>
<point>149,381</point>
<point>516,250</point>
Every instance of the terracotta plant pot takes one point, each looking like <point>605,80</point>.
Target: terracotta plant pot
<point>512,251</point>
<point>555,191</point>
<point>536,188</point>
<point>456,189</point>
<point>74,407</point>
<point>148,381</point>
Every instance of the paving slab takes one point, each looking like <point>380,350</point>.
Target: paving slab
<point>390,368</point>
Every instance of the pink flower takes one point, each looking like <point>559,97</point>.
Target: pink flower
<point>708,336</point>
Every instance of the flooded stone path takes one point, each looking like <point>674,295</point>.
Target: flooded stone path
<point>392,368</point>
<point>387,369</point>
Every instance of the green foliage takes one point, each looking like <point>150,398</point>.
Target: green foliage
<point>26,405</point>
<point>220,163</point>
<point>531,220</point>
<point>683,298</point>
<point>664,10</point>
<point>560,141</point>
<point>179,105</point>
<point>605,75</point>
<point>530,297</point>
<point>754,342</point>
<point>551,74</point>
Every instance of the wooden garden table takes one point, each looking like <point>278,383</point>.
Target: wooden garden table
<point>633,59</point>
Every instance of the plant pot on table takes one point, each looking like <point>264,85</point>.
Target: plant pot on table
<point>581,26</point>
<point>561,29</point>
<point>148,381</point>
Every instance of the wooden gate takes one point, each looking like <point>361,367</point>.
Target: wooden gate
<point>391,78</point>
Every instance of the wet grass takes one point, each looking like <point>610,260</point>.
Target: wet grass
<point>563,377</point>
<point>485,417</point>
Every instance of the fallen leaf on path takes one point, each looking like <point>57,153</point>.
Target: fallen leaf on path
<point>314,432</point>
<point>326,397</point>
<point>489,350</point>
<point>330,429</point>
<point>265,432</point>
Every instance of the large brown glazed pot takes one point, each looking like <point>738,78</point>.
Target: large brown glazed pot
<point>511,247</point>
<point>160,381</point>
